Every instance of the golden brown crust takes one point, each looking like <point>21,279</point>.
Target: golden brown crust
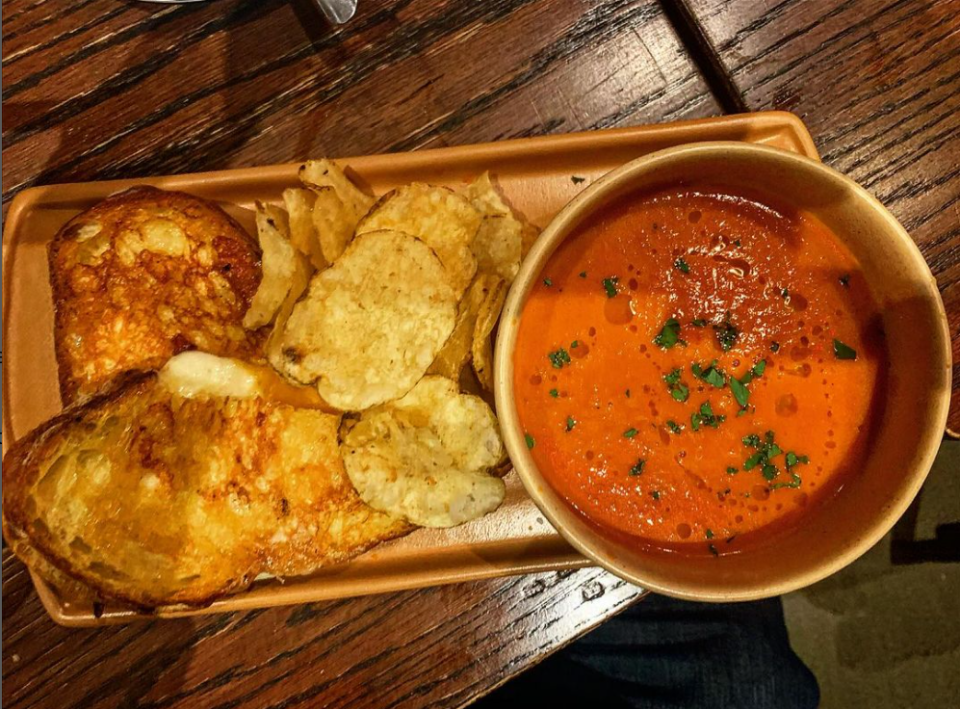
<point>156,500</point>
<point>146,274</point>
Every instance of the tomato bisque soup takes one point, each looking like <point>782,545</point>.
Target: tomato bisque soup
<point>696,368</point>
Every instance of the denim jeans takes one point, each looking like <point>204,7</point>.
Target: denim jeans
<point>672,654</point>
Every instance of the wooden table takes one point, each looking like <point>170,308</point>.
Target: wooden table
<point>107,88</point>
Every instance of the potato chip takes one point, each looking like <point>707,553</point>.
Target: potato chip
<point>333,222</point>
<point>425,457</point>
<point>303,235</point>
<point>372,323</point>
<point>465,424</point>
<point>444,220</point>
<point>498,246</point>
<point>528,238</point>
<point>339,205</point>
<point>326,173</point>
<point>280,262</point>
<point>486,198</point>
<point>299,282</point>
<point>456,351</point>
<point>482,346</point>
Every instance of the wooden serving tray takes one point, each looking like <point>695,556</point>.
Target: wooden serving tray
<point>538,175</point>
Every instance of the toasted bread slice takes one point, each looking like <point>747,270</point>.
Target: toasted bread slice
<point>156,499</point>
<point>143,275</point>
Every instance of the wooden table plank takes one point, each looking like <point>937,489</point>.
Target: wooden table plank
<point>436,647</point>
<point>877,82</point>
<point>245,83</point>
<point>101,88</point>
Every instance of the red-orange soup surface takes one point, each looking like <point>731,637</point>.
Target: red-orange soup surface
<point>696,369</point>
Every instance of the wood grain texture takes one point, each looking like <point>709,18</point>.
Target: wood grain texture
<point>878,84</point>
<point>95,89</point>
<point>437,647</point>
<point>125,89</point>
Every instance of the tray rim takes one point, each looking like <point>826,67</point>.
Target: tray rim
<point>754,124</point>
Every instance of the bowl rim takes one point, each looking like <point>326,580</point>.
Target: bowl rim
<point>597,195</point>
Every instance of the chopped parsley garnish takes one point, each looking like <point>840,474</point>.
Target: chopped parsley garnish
<point>842,351</point>
<point>708,533</point>
<point>739,386</point>
<point>554,393</point>
<point>583,274</point>
<point>571,422</point>
<point>732,471</point>
<point>794,482</point>
<point>713,550</point>
<point>655,494</point>
<point>547,282</point>
<point>610,286</point>
<point>740,392</point>
<point>530,442</point>
<point>678,390</point>
<point>726,334</point>
<point>699,322</point>
<point>575,344</point>
<point>767,449</point>
<point>576,179</point>
<point>755,371</point>
<point>559,358</point>
<point>637,468</point>
<point>711,375</point>
<point>630,433</point>
<point>793,459</point>
<point>681,265</point>
<point>774,346</point>
<point>674,427</point>
<point>669,335</point>
<point>845,280</point>
<point>706,417</point>
<point>784,293</point>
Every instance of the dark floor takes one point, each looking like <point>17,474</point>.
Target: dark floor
<point>880,634</point>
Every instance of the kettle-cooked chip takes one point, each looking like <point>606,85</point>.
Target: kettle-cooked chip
<point>482,346</point>
<point>281,263</point>
<point>298,286</point>
<point>444,220</point>
<point>427,456</point>
<point>333,222</point>
<point>485,197</point>
<point>340,204</point>
<point>501,241</point>
<point>456,351</point>
<point>498,246</point>
<point>326,173</point>
<point>303,234</point>
<point>528,238</point>
<point>372,323</point>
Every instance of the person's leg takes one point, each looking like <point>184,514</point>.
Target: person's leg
<point>667,653</point>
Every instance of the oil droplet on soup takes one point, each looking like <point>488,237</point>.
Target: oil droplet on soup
<point>716,306</point>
